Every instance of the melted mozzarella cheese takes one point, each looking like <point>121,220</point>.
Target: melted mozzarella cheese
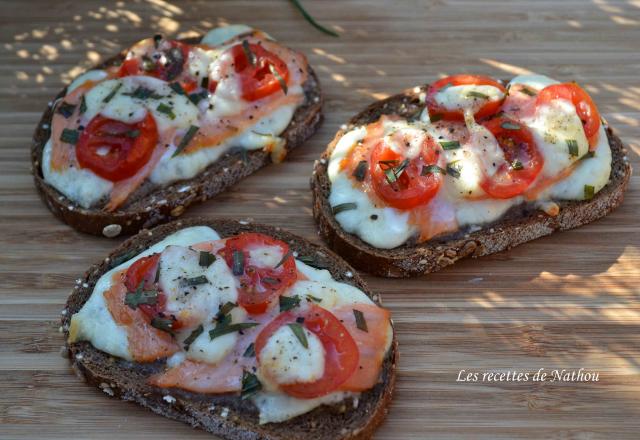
<point>221,35</point>
<point>212,351</point>
<point>285,360</point>
<point>278,407</point>
<point>90,75</point>
<point>461,97</point>
<point>78,184</point>
<point>94,322</point>
<point>536,82</point>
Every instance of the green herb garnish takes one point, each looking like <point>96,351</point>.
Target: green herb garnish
<point>454,170</point>
<point>133,133</point>
<point>517,165</point>
<point>361,171</point>
<point>238,262</point>
<point>449,145</point>
<point>176,87</point>
<point>313,298</point>
<point>432,169</point>
<point>311,21</point>
<point>361,323</point>
<point>225,309</point>
<point>251,57</point>
<point>141,296</point>
<point>288,302</point>
<point>284,258</point>
<point>110,96</point>
<point>148,65</point>
<point>474,94</point>
<point>309,261</point>
<point>188,136</point>
<point>205,82</point>
<point>192,337</point>
<point>436,117</point>
<point>281,81</point>
<point>206,259</point>
<point>198,96</point>
<point>527,91</point>
<point>224,328</point>
<point>250,385</point>
<point>589,192</point>
<point>66,109</point>
<point>83,105</point>
<point>250,351</point>
<point>588,155</point>
<point>164,324</point>
<point>69,136</point>
<point>343,207</point>
<point>572,144</point>
<point>298,330</point>
<point>507,125</point>
<point>143,93</point>
<point>167,110</point>
<point>195,281</point>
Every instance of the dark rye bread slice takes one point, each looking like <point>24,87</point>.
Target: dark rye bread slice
<point>226,415</point>
<point>517,226</point>
<point>151,205</point>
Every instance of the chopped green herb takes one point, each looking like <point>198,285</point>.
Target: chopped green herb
<point>311,21</point>
<point>198,96</point>
<point>454,170</point>
<point>195,281</point>
<point>238,262</point>
<point>205,83</point>
<point>250,385</point>
<point>288,302</point>
<point>507,125</point>
<point>361,170</point>
<point>69,136</point>
<point>148,65</point>
<point>313,298</point>
<point>83,105</point>
<point>343,207</point>
<point>281,81</point>
<point>141,296</point>
<point>133,133</point>
<point>310,261</point>
<point>572,144</point>
<point>436,117</point>
<point>188,136</point>
<point>527,91</point>
<point>117,261</point>
<point>251,57</point>
<point>449,145</point>
<point>284,258</point>
<point>167,110</point>
<point>164,324</point>
<point>270,280</point>
<point>392,173</point>
<point>298,330</point>
<point>588,155</point>
<point>432,169</point>
<point>250,351</point>
<point>192,337</point>
<point>176,87</point>
<point>110,96</point>
<point>589,192</point>
<point>206,259</point>
<point>224,328</point>
<point>517,165</point>
<point>143,93</point>
<point>66,109</point>
<point>474,94</point>
<point>361,323</point>
<point>225,309</point>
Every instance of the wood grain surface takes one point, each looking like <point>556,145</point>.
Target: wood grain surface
<point>567,301</point>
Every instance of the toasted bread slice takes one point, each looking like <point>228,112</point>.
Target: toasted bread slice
<point>152,205</point>
<point>517,226</point>
<point>226,415</point>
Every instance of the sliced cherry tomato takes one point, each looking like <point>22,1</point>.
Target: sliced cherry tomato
<point>398,181</point>
<point>490,108</point>
<point>585,108</point>
<point>257,78</point>
<point>166,62</point>
<point>258,285</point>
<point>341,351</point>
<point>116,150</point>
<point>523,161</point>
<point>144,271</point>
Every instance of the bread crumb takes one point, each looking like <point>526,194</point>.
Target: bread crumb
<point>224,413</point>
<point>184,188</point>
<point>63,312</point>
<point>343,127</point>
<point>169,399</point>
<point>85,285</point>
<point>107,389</point>
<point>79,357</point>
<point>348,274</point>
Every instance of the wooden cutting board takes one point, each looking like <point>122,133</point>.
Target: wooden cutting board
<point>568,301</point>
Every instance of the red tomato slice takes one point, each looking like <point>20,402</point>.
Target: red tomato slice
<point>145,270</point>
<point>523,161</point>
<point>258,80</point>
<point>585,108</point>
<point>116,150</point>
<point>341,351</point>
<point>490,108</point>
<point>404,188</point>
<point>166,62</point>
<point>258,285</point>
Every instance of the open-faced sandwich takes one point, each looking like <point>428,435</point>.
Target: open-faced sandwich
<point>466,166</point>
<point>243,330</point>
<point>168,123</point>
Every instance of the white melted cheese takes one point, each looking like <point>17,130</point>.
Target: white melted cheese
<point>94,322</point>
<point>220,35</point>
<point>90,75</point>
<point>461,97</point>
<point>278,407</point>
<point>386,227</point>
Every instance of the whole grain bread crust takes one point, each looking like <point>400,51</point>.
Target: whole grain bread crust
<point>226,415</point>
<point>519,225</point>
<point>151,205</point>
